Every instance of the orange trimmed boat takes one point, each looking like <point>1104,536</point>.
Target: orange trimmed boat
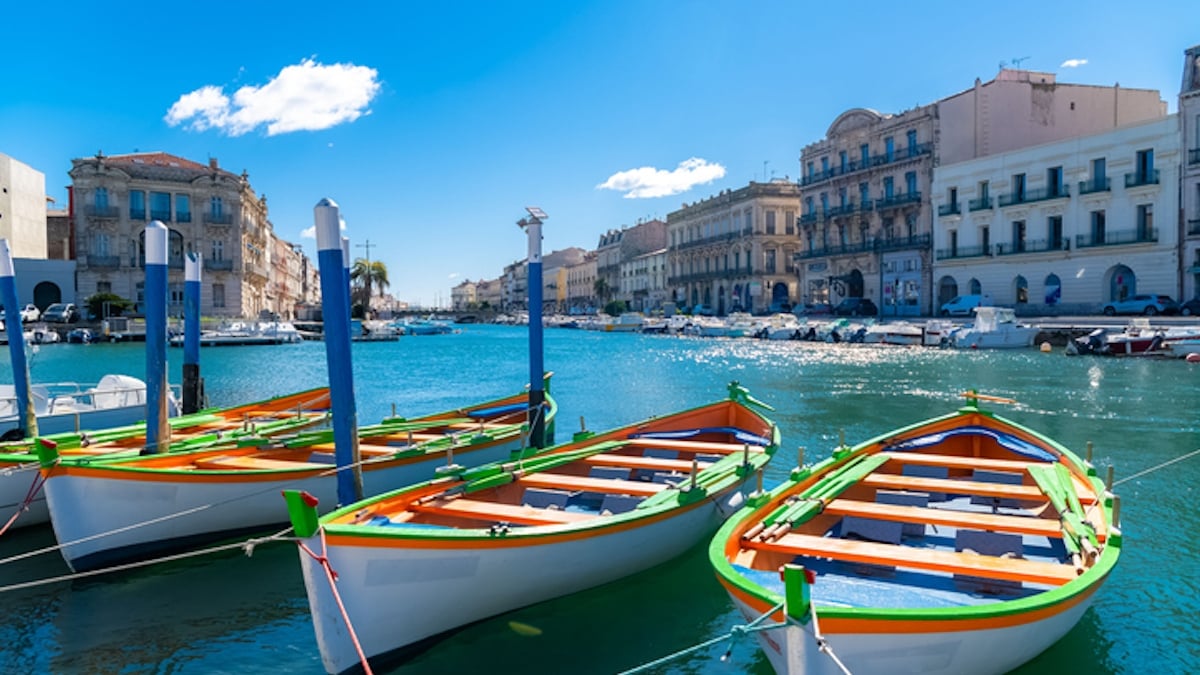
<point>966,544</point>
<point>427,559</point>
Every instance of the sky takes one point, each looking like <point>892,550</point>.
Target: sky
<point>433,125</point>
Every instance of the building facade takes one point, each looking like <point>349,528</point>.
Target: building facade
<point>462,296</point>
<point>208,210</point>
<point>734,251</point>
<point>867,217</point>
<point>581,285</point>
<point>22,208</point>
<point>643,284</point>
<point>1062,227</point>
<point>1189,121</point>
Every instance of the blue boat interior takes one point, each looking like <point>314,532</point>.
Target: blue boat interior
<point>1004,439</point>
<point>740,435</point>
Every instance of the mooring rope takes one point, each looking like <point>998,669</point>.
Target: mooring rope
<point>331,575</point>
<point>733,635</point>
<point>1157,467</point>
<point>38,482</point>
<point>823,645</point>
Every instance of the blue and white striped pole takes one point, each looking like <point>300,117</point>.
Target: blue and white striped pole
<point>335,312</point>
<point>157,429</point>
<point>193,385</point>
<point>26,415</point>
<point>346,267</point>
<point>537,393</point>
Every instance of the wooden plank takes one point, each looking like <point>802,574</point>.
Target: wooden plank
<point>951,462</point>
<point>590,484</point>
<point>499,513</point>
<point>242,462</point>
<point>639,462</point>
<point>965,487</point>
<point>989,567</point>
<point>692,446</point>
<point>962,519</point>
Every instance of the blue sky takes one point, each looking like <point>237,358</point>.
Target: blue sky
<point>434,124</point>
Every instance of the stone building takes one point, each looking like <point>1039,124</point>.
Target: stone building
<point>463,297</point>
<point>867,218</point>
<point>734,251</point>
<point>1062,227</point>
<point>581,285</point>
<point>643,284</point>
<point>627,243</point>
<point>208,210</point>
<point>58,234</point>
<point>1189,120</point>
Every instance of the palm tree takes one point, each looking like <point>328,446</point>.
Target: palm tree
<point>365,276</point>
<point>601,288</point>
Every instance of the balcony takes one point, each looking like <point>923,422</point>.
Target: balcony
<point>980,204</point>
<point>1038,195</point>
<point>836,249</point>
<point>183,216</point>
<point>896,201</point>
<point>137,214</point>
<point>866,205</point>
<point>1087,187</point>
<point>254,269</point>
<point>806,219</point>
<point>902,243</point>
<point>717,239</point>
<point>841,211</point>
<point>218,265</point>
<point>1139,178</point>
<point>1035,246</point>
<point>175,263</point>
<point>101,212</point>
<point>949,209</point>
<point>963,252</point>
<point>1139,235</point>
<point>218,218</point>
<point>1194,156</point>
<point>103,262</point>
<point>1193,227</point>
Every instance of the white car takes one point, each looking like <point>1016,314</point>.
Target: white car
<point>29,313</point>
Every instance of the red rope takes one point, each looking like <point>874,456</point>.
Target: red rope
<point>34,489</point>
<point>323,560</point>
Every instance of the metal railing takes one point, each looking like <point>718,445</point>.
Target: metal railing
<point>979,204</point>
<point>1034,246</point>
<point>1193,226</point>
<point>183,216</point>
<point>897,200</point>
<point>808,219</point>
<point>218,218</point>
<point>1087,187</point>
<point>163,215</point>
<point>218,265</point>
<point>840,211</point>
<point>1194,156</point>
<point>101,212</point>
<point>1038,195</point>
<point>109,262</point>
<point>854,166</point>
<point>1139,235</point>
<point>1141,178</point>
<point>963,252</point>
<point>949,209</point>
<point>720,238</point>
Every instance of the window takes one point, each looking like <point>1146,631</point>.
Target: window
<point>137,205</point>
<point>953,243</point>
<point>808,236</point>
<point>1018,187</point>
<point>975,287</point>
<point>912,142</point>
<point>910,182</point>
<point>842,197</point>
<point>216,207</point>
<point>824,202</point>
<point>865,151</point>
<point>789,222</point>
<point>175,294</point>
<point>889,188</point>
<point>1054,232</point>
<point>864,193</point>
<point>824,166</point>
<point>1018,236</point>
<point>174,249</point>
<point>809,166</point>
<point>749,221</point>
<point>843,160</point>
<point>985,238</point>
<point>218,249</point>
<point>218,295</point>
<point>952,196</point>
<point>1099,171</point>
<point>1022,290</point>
<point>910,225</point>
<point>889,148</point>
<point>183,209</point>
<point>139,293</point>
<point>889,228</point>
<point>1144,165</point>
<point>1098,226</point>
<point>160,206</point>
<point>770,222</point>
<point>1053,290</point>
<point>101,197</point>
<point>808,205</point>
<point>100,244</point>
<point>103,287</point>
<point>983,190</point>
<point>1054,180</point>
<point>1145,221</point>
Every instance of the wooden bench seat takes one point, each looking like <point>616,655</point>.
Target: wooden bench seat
<point>960,519</point>
<point>241,462</point>
<point>691,446</point>
<point>964,487</point>
<point>590,484</point>
<point>639,462</point>
<point>499,513</point>
<point>1011,569</point>
<point>952,462</point>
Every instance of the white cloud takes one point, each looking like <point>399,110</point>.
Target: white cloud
<point>648,181</point>
<point>311,232</point>
<point>306,97</point>
<point>1073,63</point>
<point>453,275</point>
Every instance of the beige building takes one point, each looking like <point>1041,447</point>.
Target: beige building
<point>581,285</point>
<point>867,217</point>
<point>734,251</point>
<point>463,297</point>
<point>58,234</point>
<point>208,210</point>
<point>618,246</point>
<point>490,293</point>
<point>1189,120</point>
<point>22,208</point>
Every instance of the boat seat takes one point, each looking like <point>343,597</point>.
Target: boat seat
<point>917,499</point>
<point>988,544</point>
<point>923,471</point>
<point>615,504</point>
<point>967,520</point>
<point>1006,478</point>
<point>609,472</point>
<point>966,487</point>
<point>1014,569</point>
<point>660,453</point>
<point>542,498</point>
<point>589,484</point>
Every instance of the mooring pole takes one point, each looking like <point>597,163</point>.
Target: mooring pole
<point>157,429</point>
<point>335,312</point>
<point>537,394</point>
<point>193,385</point>
<point>26,415</point>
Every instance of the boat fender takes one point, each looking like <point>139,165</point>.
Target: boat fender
<point>498,530</point>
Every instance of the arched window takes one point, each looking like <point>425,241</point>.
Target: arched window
<point>1053,290</point>
<point>975,287</point>
<point>947,289</point>
<point>1021,290</point>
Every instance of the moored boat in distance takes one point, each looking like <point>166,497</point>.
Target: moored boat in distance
<point>994,328</point>
<point>963,545</point>
<point>419,562</point>
<point>114,401</point>
<point>137,507</point>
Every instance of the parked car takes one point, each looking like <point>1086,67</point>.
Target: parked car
<point>814,309</point>
<point>963,305</point>
<point>855,307</point>
<point>1143,304</point>
<point>29,314</point>
<point>61,312</point>
<point>1190,308</point>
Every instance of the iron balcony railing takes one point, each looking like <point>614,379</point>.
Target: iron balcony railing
<point>102,212</point>
<point>717,239</point>
<point>1038,195</point>
<point>1035,246</point>
<point>854,166</point>
<point>866,205</point>
<point>1139,235</point>
<point>842,210</point>
<point>963,252</point>
<point>876,244</point>
<point>164,215</point>
<point>183,216</point>
<point>1100,184</point>
<point>1194,156</point>
<point>896,201</point>
<point>808,219</point>
<point>218,218</point>
<point>949,209</point>
<point>218,265</point>
<point>1141,178</point>
<point>1193,226</point>
<point>980,204</point>
<point>902,243</point>
<point>109,262</point>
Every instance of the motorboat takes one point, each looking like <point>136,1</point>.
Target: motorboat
<point>115,401</point>
<point>994,328</point>
<point>1139,338</point>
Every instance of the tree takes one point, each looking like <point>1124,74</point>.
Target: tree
<point>601,288</point>
<point>365,277</point>
<point>104,305</point>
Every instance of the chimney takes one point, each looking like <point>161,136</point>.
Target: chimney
<point>212,162</point>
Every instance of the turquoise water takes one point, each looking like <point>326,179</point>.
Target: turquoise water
<point>231,614</point>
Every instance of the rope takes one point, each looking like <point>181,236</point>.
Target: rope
<point>34,489</point>
<point>323,560</point>
<point>1157,467</point>
<point>247,545</point>
<point>733,634</point>
<point>823,645</point>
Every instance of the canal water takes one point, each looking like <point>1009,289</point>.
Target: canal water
<point>228,613</point>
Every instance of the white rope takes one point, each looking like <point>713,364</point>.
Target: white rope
<point>1157,467</point>
<point>247,545</point>
<point>823,645</point>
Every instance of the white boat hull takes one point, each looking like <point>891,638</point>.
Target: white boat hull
<point>397,597</point>
<point>793,651</point>
<point>15,483</point>
<point>95,511</point>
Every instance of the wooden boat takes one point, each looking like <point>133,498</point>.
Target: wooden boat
<point>138,507</point>
<point>424,560</point>
<point>19,459</point>
<point>964,544</point>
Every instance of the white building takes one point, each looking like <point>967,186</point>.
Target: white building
<point>643,281</point>
<point>1062,227</point>
<point>1189,118</point>
<point>22,208</point>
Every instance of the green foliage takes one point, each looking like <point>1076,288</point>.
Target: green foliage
<point>615,308</point>
<point>104,305</point>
